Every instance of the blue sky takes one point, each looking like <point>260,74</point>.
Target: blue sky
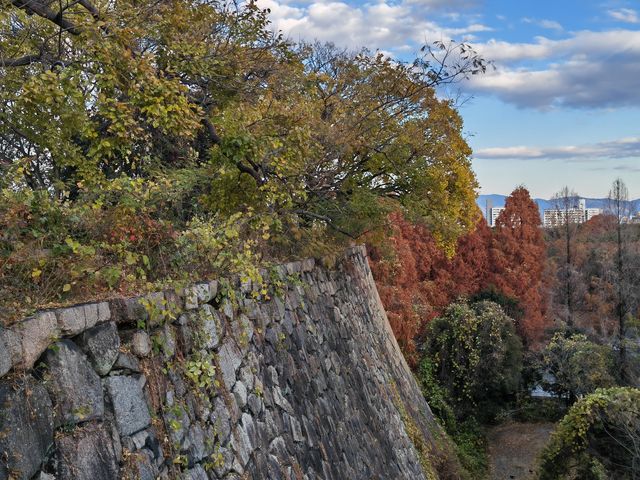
<point>562,106</point>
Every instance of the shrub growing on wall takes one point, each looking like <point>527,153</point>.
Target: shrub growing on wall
<point>598,439</point>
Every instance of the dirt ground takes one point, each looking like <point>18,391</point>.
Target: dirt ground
<point>513,448</point>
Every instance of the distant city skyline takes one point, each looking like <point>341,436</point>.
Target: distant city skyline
<point>550,197</point>
<point>562,106</point>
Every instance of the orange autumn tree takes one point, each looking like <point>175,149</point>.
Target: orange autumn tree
<point>401,269</point>
<point>416,280</point>
<point>466,273</point>
<point>518,261</point>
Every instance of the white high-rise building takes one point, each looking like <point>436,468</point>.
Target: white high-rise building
<point>554,217</point>
<point>589,213</point>
<point>492,215</point>
<point>579,213</point>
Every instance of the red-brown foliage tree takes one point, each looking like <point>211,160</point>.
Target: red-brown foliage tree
<point>400,269</point>
<point>416,281</point>
<point>518,261</point>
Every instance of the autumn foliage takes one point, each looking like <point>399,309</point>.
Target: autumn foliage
<point>518,260</point>
<point>417,280</point>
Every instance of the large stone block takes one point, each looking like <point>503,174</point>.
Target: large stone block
<point>221,420</point>
<point>196,473</point>
<point>243,441</point>
<point>141,343</point>
<point>74,386</point>
<point>133,310</point>
<point>144,465</point>
<point>101,344</point>
<point>26,428</point>
<point>36,334</point>
<point>230,359</point>
<point>212,327</point>
<point>10,350</point>
<point>86,453</point>
<point>77,319</point>
<point>129,404</point>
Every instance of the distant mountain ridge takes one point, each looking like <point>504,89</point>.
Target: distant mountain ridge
<point>543,204</point>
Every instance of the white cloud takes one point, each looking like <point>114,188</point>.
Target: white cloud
<point>586,70</point>
<point>626,15</point>
<point>616,149</point>
<point>384,24</point>
<point>544,23</point>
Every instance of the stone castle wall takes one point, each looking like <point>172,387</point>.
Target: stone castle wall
<point>217,383</point>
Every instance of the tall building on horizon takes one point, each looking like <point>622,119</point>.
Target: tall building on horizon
<point>578,213</point>
<point>492,215</point>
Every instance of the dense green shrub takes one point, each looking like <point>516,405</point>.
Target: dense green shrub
<point>130,236</point>
<point>474,356</point>
<point>578,366</point>
<point>510,305</point>
<point>598,439</point>
<point>470,368</point>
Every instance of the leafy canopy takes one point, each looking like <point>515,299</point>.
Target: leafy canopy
<point>578,365</point>
<point>598,439</point>
<point>474,354</point>
<point>119,124</point>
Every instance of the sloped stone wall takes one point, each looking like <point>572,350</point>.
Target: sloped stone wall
<point>217,383</point>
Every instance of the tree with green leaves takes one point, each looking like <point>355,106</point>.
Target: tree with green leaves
<point>473,354</point>
<point>123,134</point>
<point>577,365</point>
<point>598,439</point>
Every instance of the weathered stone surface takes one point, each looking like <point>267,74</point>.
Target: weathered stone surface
<point>44,476</point>
<point>129,310</point>
<point>167,340</point>
<point>246,376</point>
<point>129,405</point>
<point>73,385</point>
<point>195,444</point>
<point>36,334</point>
<point>77,319</point>
<point>221,421</point>
<point>26,428</point>
<point>243,441</point>
<point>306,384</point>
<point>101,344</point>
<point>212,327</point>
<point>127,361</point>
<point>86,453</point>
<point>230,358</point>
<point>240,392</point>
<point>140,343</point>
<point>10,350</point>
<point>196,473</point>
<point>178,421</point>
<point>144,465</point>
<point>199,294</point>
<point>255,404</point>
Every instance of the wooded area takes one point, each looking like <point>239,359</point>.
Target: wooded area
<point>143,139</point>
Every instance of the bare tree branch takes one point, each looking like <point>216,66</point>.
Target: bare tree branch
<point>42,10</point>
<point>20,61</point>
